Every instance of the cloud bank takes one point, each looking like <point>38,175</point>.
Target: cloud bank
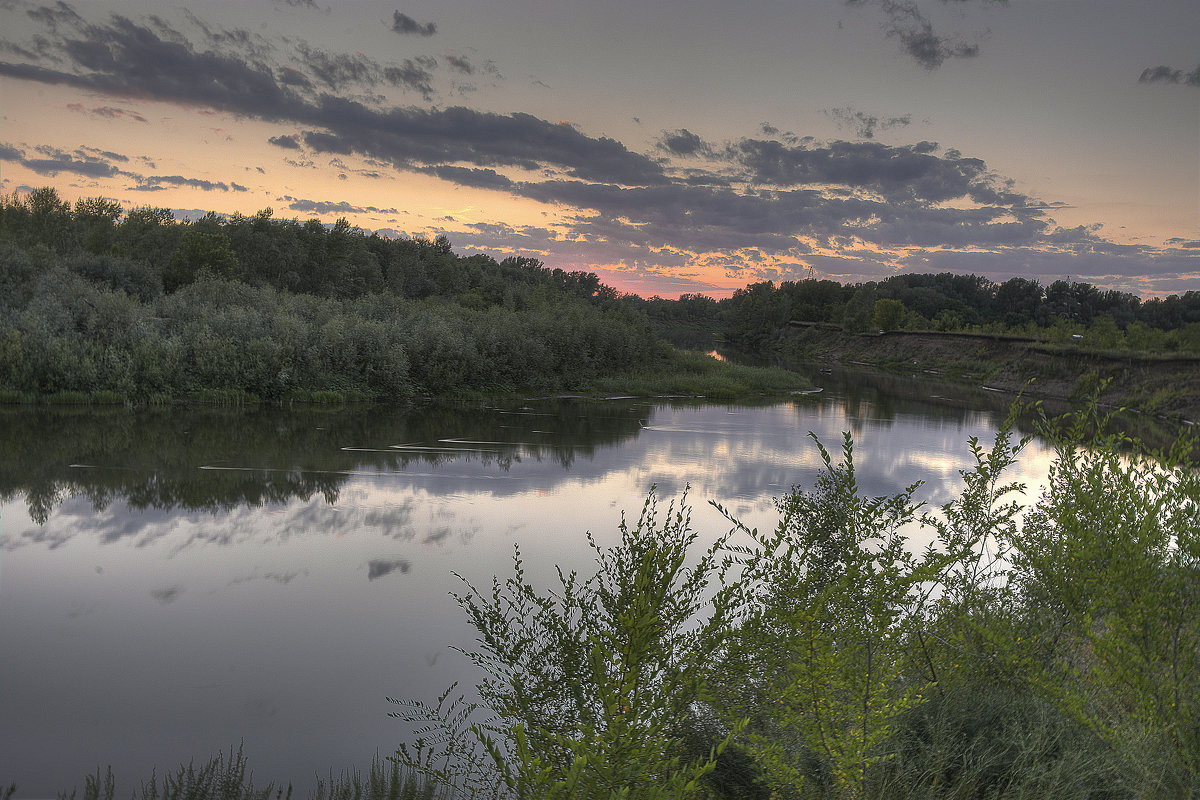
<point>769,204</point>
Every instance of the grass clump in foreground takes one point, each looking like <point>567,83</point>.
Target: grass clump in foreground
<point>701,375</point>
<point>225,777</point>
<point>1048,650</point>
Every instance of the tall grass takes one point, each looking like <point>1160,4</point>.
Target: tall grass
<point>226,776</point>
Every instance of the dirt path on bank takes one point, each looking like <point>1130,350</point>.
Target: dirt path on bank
<point>1164,386</point>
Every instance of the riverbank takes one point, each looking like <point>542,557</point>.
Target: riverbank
<point>683,374</point>
<point>1166,386</point>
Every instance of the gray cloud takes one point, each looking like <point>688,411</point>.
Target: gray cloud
<point>54,16</point>
<point>408,137</point>
<point>239,40</point>
<point>410,74</point>
<point>461,63</point>
<point>54,161</point>
<point>463,176</point>
<point>339,71</point>
<point>167,594</point>
<point>865,125</point>
<point>1163,74</point>
<point>898,173</point>
<point>378,568</point>
<point>328,207</point>
<point>287,141</point>
<point>404,24</point>
<point>104,153</point>
<point>156,183</point>
<point>106,112</point>
<point>683,143</point>
<point>917,37</point>
<point>124,58</point>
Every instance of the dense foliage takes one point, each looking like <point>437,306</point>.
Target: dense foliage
<point>1110,319</point>
<point>1050,650</point>
<point>137,305</point>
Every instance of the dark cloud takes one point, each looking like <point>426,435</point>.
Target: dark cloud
<point>404,24</point>
<point>463,176</point>
<point>461,64</point>
<point>339,70</point>
<point>238,40</point>
<point>378,568</point>
<point>53,161</point>
<point>106,112</point>
<point>683,143</point>
<point>898,173</point>
<point>1162,74</point>
<point>465,66</point>
<point>53,16</point>
<point>411,74</point>
<point>125,58</point>
<point>167,594</point>
<point>104,153</point>
<point>287,141</point>
<point>157,183</point>
<point>10,153</point>
<point>327,207</point>
<point>290,76</point>
<point>865,125</point>
<point>1132,264</point>
<point>917,37</point>
<point>366,173</point>
<point>412,137</point>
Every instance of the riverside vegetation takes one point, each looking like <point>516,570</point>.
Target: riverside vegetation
<point>1057,341</point>
<point>757,317</point>
<point>1043,651</point>
<point>100,304</point>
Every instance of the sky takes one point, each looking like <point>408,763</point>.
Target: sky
<point>674,146</point>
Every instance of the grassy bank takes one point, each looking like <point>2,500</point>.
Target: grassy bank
<point>228,777</point>
<point>679,374</point>
<point>700,375</point>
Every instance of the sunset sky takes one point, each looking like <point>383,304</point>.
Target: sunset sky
<point>670,146</point>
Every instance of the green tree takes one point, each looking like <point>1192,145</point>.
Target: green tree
<point>589,688</point>
<point>200,251</point>
<point>833,596</point>
<point>96,218</point>
<point>1108,565</point>
<point>859,309</point>
<point>889,315</point>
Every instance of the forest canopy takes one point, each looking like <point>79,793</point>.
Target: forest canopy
<point>134,303</point>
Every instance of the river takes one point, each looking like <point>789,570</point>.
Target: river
<point>176,581</point>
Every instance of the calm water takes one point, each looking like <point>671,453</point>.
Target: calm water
<point>174,582</point>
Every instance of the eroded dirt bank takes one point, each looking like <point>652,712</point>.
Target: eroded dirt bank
<point>1166,386</point>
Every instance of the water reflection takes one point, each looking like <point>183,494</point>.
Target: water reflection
<point>176,581</point>
<point>212,459</point>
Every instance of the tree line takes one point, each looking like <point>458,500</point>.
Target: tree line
<point>137,305</point>
<point>1108,319</point>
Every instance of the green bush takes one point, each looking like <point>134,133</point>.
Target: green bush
<point>589,689</point>
<point>1052,650</point>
